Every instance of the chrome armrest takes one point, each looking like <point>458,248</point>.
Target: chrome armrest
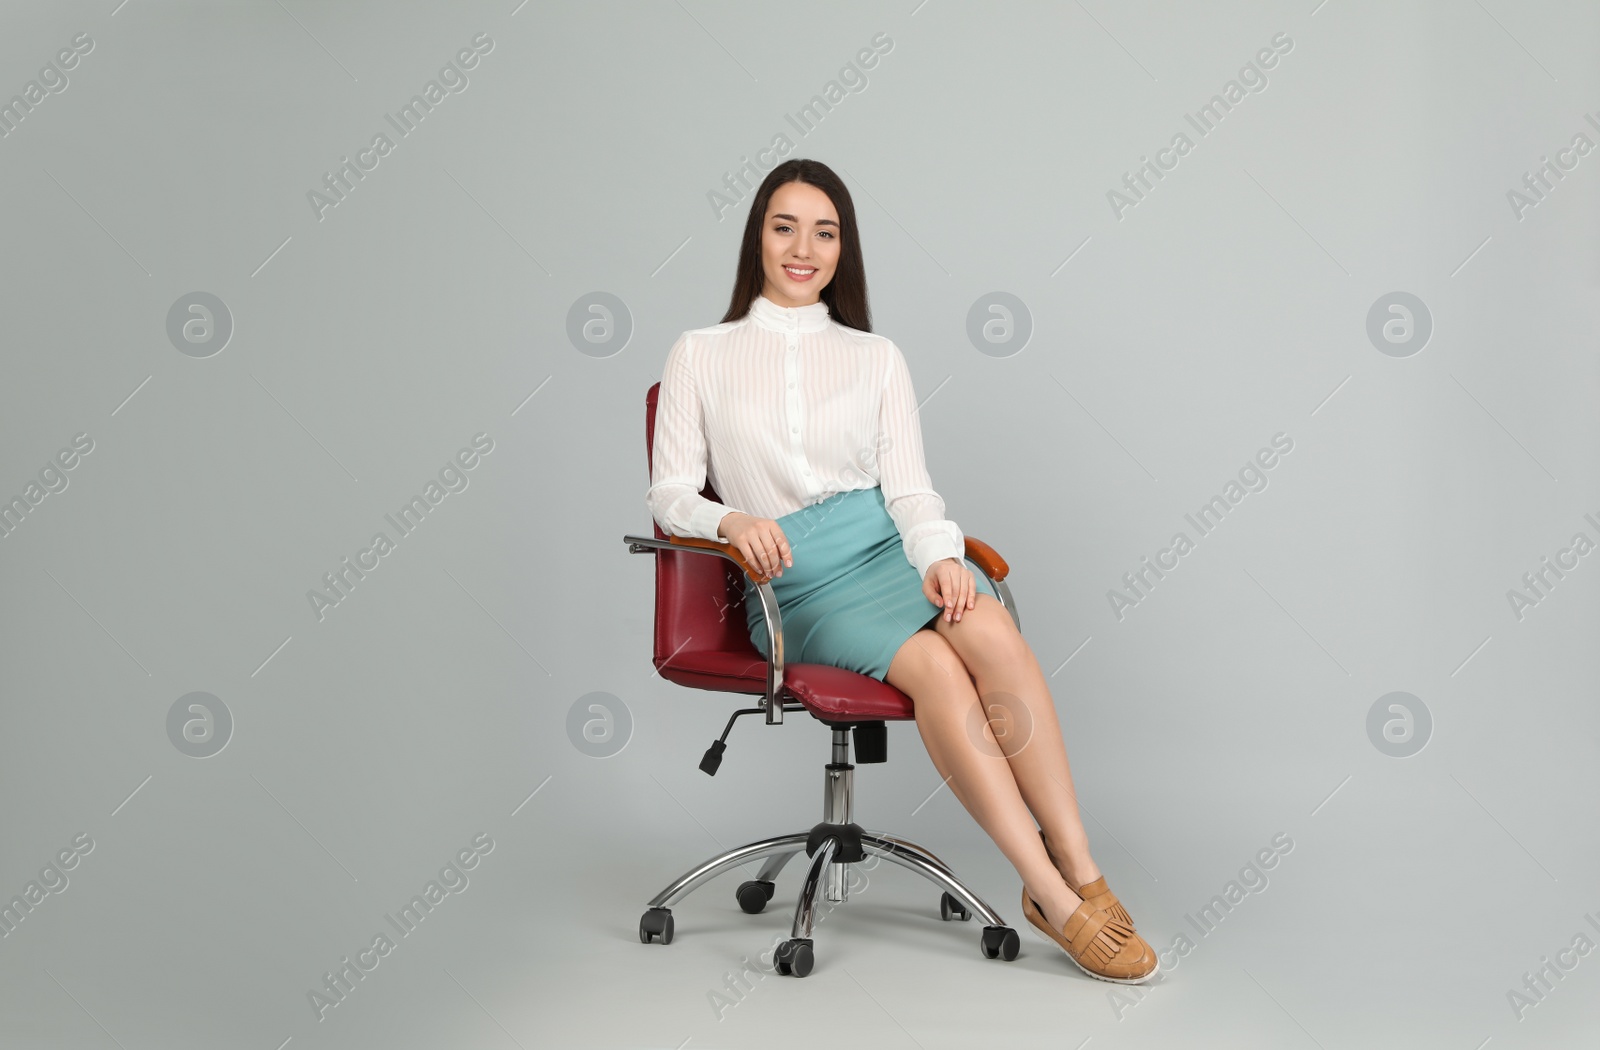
<point>1001,591</point>
<point>993,568</point>
<point>772,702</point>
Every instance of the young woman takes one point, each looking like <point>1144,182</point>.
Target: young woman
<point>806,423</point>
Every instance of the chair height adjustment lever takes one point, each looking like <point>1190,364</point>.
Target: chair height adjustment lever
<point>713,755</point>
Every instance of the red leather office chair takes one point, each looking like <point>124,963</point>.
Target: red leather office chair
<point>701,641</point>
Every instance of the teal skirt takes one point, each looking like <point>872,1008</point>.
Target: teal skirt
<point>851,598</point>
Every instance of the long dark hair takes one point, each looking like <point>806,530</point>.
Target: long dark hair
<point>846,294</point>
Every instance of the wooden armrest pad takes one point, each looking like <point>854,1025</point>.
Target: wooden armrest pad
<point>987,558</point>
<point>727,548</point>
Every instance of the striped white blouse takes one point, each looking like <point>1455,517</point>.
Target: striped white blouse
<point>783,408</point>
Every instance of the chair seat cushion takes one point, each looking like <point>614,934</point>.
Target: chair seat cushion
<point>827,692</point>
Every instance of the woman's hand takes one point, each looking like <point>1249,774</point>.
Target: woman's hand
<point>951,584</point>
<point>760,540</point>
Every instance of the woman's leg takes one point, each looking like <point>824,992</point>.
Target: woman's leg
<point>1014,695</point>
<point>927,669</point>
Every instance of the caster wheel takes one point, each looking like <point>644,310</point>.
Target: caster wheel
<point>753,896</point>
<point>657,922</point>
<point>1000,942</point>
<point>793,957</point>
<point>950,908</point>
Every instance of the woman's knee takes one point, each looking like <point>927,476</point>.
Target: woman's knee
<point>985,632</point>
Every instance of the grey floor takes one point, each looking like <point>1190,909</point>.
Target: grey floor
<point>1387,924</point>
<point>1378,928</point>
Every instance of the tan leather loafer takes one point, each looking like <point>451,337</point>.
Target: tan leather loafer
<point>1095,892</point>
<point>1099,945</point>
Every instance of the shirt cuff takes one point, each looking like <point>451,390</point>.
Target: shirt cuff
<point>703,522</point>
<point>934,547</point>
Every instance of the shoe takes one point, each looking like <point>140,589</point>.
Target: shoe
<point>1099,945</point>
<point>1096,892</point>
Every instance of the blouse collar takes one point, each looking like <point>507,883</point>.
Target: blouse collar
<point>768,314</point>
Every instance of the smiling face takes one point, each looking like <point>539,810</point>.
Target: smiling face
<point>799,244</point>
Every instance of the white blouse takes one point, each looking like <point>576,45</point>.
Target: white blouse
<point>783,408</point>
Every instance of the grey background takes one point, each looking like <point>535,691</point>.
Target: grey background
<point>431,705</point>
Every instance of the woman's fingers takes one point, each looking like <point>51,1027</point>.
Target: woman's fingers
<point>780,549</point>
<point>763,545</point>
<point>768,549</point>
<point>959,588</point>
<point>939,587</point>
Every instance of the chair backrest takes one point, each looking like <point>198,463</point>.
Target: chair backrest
<point>699,597</point>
